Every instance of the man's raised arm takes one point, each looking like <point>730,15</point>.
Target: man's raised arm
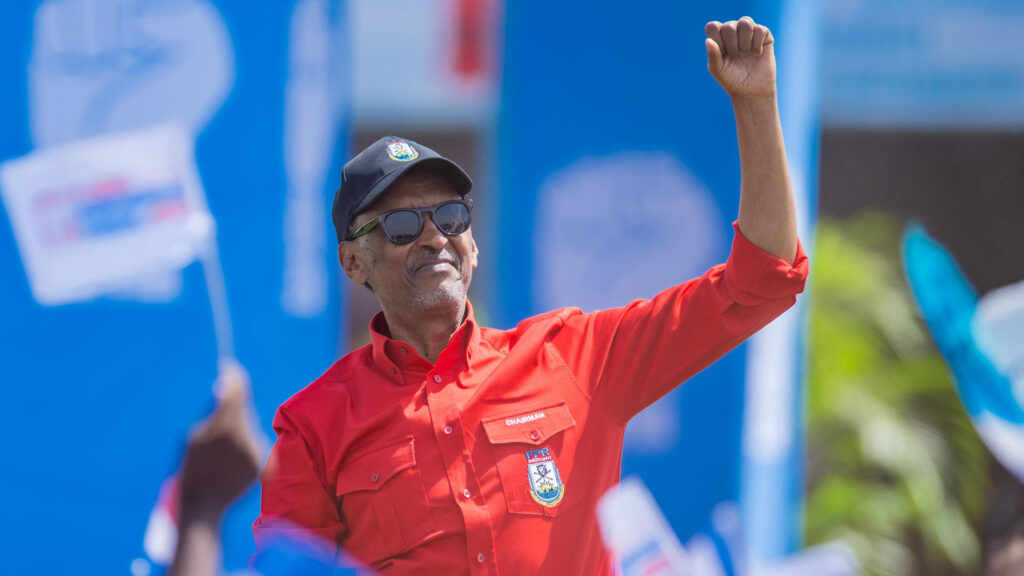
<point>741,58</point>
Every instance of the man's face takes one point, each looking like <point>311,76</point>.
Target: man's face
<point>433,271</point>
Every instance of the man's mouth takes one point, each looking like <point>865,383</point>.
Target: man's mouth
<point>437,263</point>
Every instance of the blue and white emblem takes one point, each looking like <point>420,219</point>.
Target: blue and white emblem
<point>545,482</point>
<point>401,150</point>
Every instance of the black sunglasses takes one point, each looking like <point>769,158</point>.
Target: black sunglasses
<point>404,225</point>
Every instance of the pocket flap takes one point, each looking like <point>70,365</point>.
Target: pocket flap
<point>371,470</point>
<point>530,427</point>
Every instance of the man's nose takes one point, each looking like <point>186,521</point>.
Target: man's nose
<point>431,236</point>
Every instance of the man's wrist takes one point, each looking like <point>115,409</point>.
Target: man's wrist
<point>755,103</point>
<point>756,113</point>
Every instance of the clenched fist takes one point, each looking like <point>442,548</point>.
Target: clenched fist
<point>741,57</point>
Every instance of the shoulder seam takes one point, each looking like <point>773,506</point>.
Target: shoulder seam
<point>493,347</point>
<point>575,381</point>
<point>605,409</point>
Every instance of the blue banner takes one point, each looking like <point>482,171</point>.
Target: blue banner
<point>912,65</point>
<point>772,474</point>
<point>619,176</point>
<point>97,397</point>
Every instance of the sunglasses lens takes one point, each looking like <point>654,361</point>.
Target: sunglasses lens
<point>402,226</point>
<point>452,219</point>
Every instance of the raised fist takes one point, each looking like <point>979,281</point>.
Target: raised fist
<point>741,57</point>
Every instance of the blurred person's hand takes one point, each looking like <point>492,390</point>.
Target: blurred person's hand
<point>741,57</point>
<point>222,459</point>
<point>223,455</point>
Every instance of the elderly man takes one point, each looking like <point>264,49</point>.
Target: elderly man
<point>444,447</point>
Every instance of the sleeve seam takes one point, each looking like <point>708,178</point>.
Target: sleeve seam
<point>319,467</point>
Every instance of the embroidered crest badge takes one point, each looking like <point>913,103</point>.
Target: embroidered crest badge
<point>545,482</point>
<point>401,151</point>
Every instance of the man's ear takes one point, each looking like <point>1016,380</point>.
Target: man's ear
<point>351,262</point>
<point>473,255</point>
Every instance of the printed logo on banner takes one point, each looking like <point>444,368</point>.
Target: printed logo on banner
<point>545,482</point>
<point>401,151</point>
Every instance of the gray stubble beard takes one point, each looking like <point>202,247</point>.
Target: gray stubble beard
<point>449,294</point>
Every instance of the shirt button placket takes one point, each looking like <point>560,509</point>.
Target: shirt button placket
<point>460,472</point>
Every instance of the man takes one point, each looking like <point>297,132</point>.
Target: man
<point>447,448</point>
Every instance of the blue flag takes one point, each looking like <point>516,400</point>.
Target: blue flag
<point>949,304</point>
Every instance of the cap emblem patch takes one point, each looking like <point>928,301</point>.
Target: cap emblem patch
<point>401,151</point>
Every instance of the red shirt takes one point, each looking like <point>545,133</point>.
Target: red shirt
<point>492,460</point>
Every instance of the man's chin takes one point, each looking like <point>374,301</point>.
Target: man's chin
<point>447,293</point>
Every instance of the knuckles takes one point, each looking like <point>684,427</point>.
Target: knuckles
<point>745,28</point>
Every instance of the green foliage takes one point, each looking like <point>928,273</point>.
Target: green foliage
<point>894,467</point>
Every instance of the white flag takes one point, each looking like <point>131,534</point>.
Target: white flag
<point>998,329</point>
<point>636,532</point>
<point>99,214</point>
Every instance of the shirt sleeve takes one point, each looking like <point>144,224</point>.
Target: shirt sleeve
<point>627,358</point>
<point>296,503</point>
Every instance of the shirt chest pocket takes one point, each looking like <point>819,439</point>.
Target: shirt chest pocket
<point>382,501</point>
<point>533,451</point>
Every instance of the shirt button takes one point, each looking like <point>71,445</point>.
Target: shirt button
<point>467,493</point>
<point>437,378</point>
<point>480,558</point>
<point>403,351</point>
<point>374,477</point>
<point>448,430</point>
<point>534,435</point>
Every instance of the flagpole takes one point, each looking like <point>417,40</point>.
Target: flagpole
<point>214,273</point>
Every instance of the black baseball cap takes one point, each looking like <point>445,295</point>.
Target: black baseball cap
<point>374,170</point>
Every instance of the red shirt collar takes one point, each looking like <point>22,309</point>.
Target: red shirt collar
<point>397,360</point>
